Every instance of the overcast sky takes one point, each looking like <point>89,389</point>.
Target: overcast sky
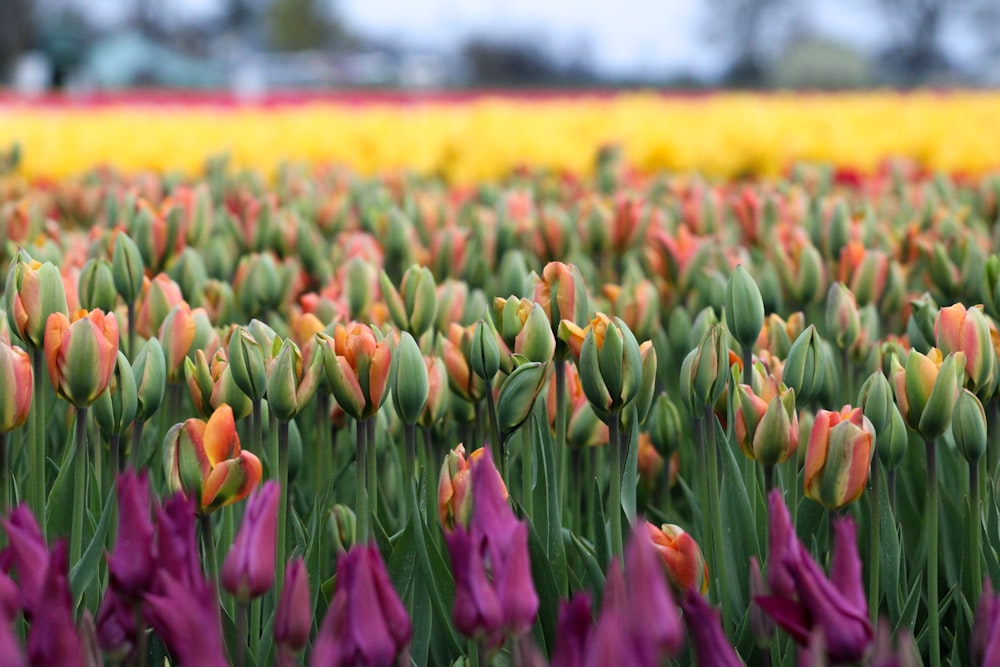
<point>620,37</point>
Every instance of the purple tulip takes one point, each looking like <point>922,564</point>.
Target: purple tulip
<point>28,554</point>
<point>903,655</point>
<point>366,624</point>
<point>984,647</point>
<point>248,571</point>
<point>711,647</point>
<point>610,643</point>
<point>494,592</point>
<point>656,624</point>
<point>176,545</point>
<point>52,639</point>
<point>11,654</point>
<point>572,632</point>
<point>783,546</point>
<point>293,617</point>
<point>186,617</point>
<point>836,605</point>
<point>132,563</point>
<point>116,626</point>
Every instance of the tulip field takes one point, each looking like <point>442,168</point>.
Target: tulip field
<point>518,381</point>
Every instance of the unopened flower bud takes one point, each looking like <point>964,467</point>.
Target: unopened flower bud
<point>96,288</point>
<point>744,307</point>
<point>968,426</point>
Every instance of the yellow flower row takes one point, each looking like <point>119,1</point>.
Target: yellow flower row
<point>721,135</point>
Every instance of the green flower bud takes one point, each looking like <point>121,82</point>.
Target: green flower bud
<point>342,528</point>
<point>805,367</point>
<point>290,384</point>
<point>644,399</point>
<point>744,307</point>
<point>664,423</point>
<point>359,279</point>
<point>920,326</point>
<point>150,372</point>
<point>484,354</point>
<point>891,444</point>
<point>518,394</point>
<point>410,393</point>
<point>258,285</point>
<point>34,291</point>
<point>968,426</point>
<point>115,409</point>
<point>96,288</point>
<point>247,362</point>
<point>414,306</point>
<point>188,271</point>
<point>127,268</point>
<point>703,321</point>
<point>514,276</point>
<point>705,371</point>
<point>875,400</point>
<point>843,322</point>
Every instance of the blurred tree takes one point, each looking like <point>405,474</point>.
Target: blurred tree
<point>491,61</point>
<point>741,26</point>
<point>916,27</point>
<point>17,29</point>
<point>300,25</point>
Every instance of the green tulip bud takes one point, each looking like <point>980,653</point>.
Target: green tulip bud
<point>96,288</point>
<point>744,307</point>
<point>189,271</point>
<point>644,399</point>
<point>518,394</point>
<point>127,268</point>
<point>414,306</point>
<point>843,321</point>
<point>514,276</point>
<point>705,371</point>
<point>968,426</point>
<point>34,291</point>
<point>805,366</point>
<point>115,409</point>
<point>891,444</point>
<point>664,425</point>
<point>290,384</point>
<point>247,362</point>
<point>342,528</point>
<point>875,400</point>
<point>150,372</point>
<point>412,384</point>
<point>485,352</point>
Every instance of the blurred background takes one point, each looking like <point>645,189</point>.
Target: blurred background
<point>251,47</point>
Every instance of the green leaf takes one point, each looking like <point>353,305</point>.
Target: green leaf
<point>740,540</point>
<point>548,517</point>
<point>548,591</point>
<point>630,477</point>
<point>59,504</point>
<point>602,542</point>
<point>83,572</point>
<point>908,615</point>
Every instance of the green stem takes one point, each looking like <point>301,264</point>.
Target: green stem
<point>474,650</point>
<point>135,451</point>
<point>527,468</point>
<point>371,476</point>
<point>319,474</point>
<point>768,479</point>
<point>241,634</point>
<point>497,448</point>
<point>280,555</point>
<point>562,450</point>
<point>141,650</point>
<point>874,548</point>
<point>115,458</point>
<point>976,534</point>
<point>361,496</point>
<point>409,471</point>
<point>747,365</point>
<point>847,377</point>
<point>715,518</point>
<point>255,623</point>
<point>131,330</point>
<point>4,475</point>
<point>615,495</point>
<point>890,488</point>
<point>79,486</point>
<point>208,544</point>
<point>256,428</point>
<point>37,442</point>
<point>99,467</point>
<point>933,613</point>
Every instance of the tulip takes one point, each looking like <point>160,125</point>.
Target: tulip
<point>293,615</point>
<point>342,524</point>
<point>452,297</point>
<point>572,632</point>
<point>610,366</point>
<point>257,284</point>
<point>437,392</point>
<point>366,625</point>
<point>875,400</point>
<point>33,293</point>
<point>647,383</point>
<point>414,305</point>
<point>984,645</point>
<point>804,601</point>
<point>115,409</point>
<point>412,384</point>
<point>704,371</point>
<point>248,571</point>
<point>97,286</point>
<point>778,334</point>
<point>186,617</point>
<point>212,385</point>
<point>357,368</point>
<point>926,390</point>
<point>842,318</point>
<point>28,554</point>
<point>150,371</point>
<point>517,395</point>
<point>188,270</point>
<point>457,355</point>
<point>685,565</point>
<point>489,607</point>
<point>638,305</point>
<point>664,425</point>
<point>81,354</point>
<point>290,383</point>
<point>561,293</point>
<point>711,647</point>
<point>805,369</point>
<point>484,351</point>
<point>744,307</point>
<point>957,329</point>
<point>248,359</point>
<point>132,564</point>
<point>205,462</point>
<point>53,639</point>
<point>838,457</point>
<point>127,268</point>
<point>17,382</point>
<point>761,625</point>
<point>766,422</point>
<point>524,328</point>
<point>454,487</point>
<point>158,298</point>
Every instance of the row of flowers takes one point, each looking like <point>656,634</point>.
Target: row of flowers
<point>586,357</point>
<point>720,135</point>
